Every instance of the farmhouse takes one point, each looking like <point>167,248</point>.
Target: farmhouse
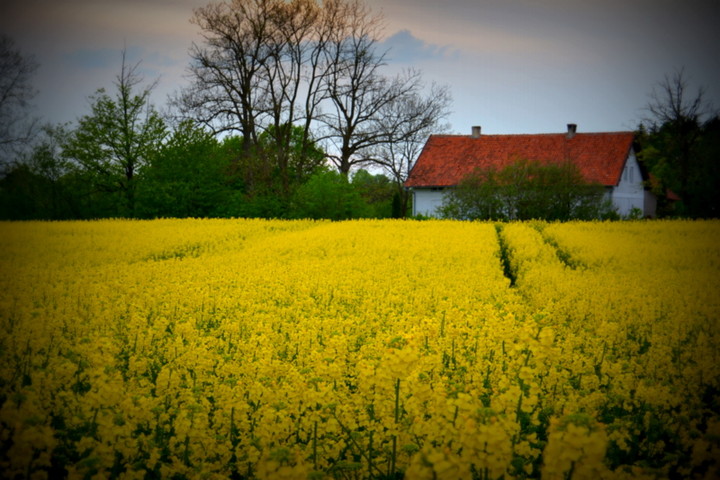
<point>606,158</point>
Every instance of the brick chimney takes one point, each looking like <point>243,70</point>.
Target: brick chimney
<point>572,130</point>
<point>476,131</point>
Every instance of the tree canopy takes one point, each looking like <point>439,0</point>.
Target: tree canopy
<point>525,190</point>
<point>115,141</point>
<point>679,145</point>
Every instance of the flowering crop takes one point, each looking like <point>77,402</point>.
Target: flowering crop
<point>362,349</point>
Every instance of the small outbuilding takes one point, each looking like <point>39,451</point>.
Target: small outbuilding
<point>606,158</point>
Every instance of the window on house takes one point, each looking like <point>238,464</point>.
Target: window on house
<point>632,174</point>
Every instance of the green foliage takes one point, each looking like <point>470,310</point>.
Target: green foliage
<point>682,157</point>
<point>329,194</point>
<point>267,167</point>
<point>185,177</point>
<point>378,192</point>
<point>259,205</point>
<point>525,190</point>
<point>679,147</point>
<point>41,185</point>
<point>23,194</point>
<point>477,196</point>
<point>634,214</point>
<point>706,177</point>
<point>291,150</point>
<point>264,176</point>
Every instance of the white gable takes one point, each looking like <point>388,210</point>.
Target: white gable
<point>630,193</point>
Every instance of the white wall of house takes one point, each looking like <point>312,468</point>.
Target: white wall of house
<point>426,201</point>
<point>629,193</point>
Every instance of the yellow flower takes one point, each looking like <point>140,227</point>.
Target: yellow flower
<point>202,346</point>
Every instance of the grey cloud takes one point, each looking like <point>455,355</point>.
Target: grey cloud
<point>110,57</point>
<point>404,47</point>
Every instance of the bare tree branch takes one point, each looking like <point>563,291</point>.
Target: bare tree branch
<point>16,92</point>
<point>671,101</point>
<point>408,121</point>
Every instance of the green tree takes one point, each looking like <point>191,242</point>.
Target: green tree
<point>187,176</point>
<point>303,156</point>
<point>377,191</point>
<point>676,144</point>
<point>114,142</point>
<point>39,185</point>
<point>328,194</point>
<point>260,189</point>
<point>476,197</point>
<point>525,190</point>
<point>706,178</point>
<point>23,194</point>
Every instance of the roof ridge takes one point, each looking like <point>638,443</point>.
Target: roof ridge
<point>460,135</point>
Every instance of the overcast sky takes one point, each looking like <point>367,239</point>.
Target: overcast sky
<point>513,66</point>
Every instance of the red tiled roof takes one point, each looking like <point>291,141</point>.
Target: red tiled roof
<point>446,159</point>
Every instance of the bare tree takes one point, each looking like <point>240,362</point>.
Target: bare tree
<point>373,118</point>
<point>671,101</point>
<point>269,66</point>
<point>356,88</point>
<point>227,93</point>
<point>16,92</point>
<point>293,72</point>
<point>260,70</point>
<point>408,121</point>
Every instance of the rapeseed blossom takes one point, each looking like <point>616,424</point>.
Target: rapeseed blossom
<point>360,349</point>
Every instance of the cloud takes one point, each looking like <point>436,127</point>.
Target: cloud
<point>93,58</point>
<point>404,47</point>
<point>102,58</point>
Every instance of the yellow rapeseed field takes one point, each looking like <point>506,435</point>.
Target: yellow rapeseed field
<point>354,350</point>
